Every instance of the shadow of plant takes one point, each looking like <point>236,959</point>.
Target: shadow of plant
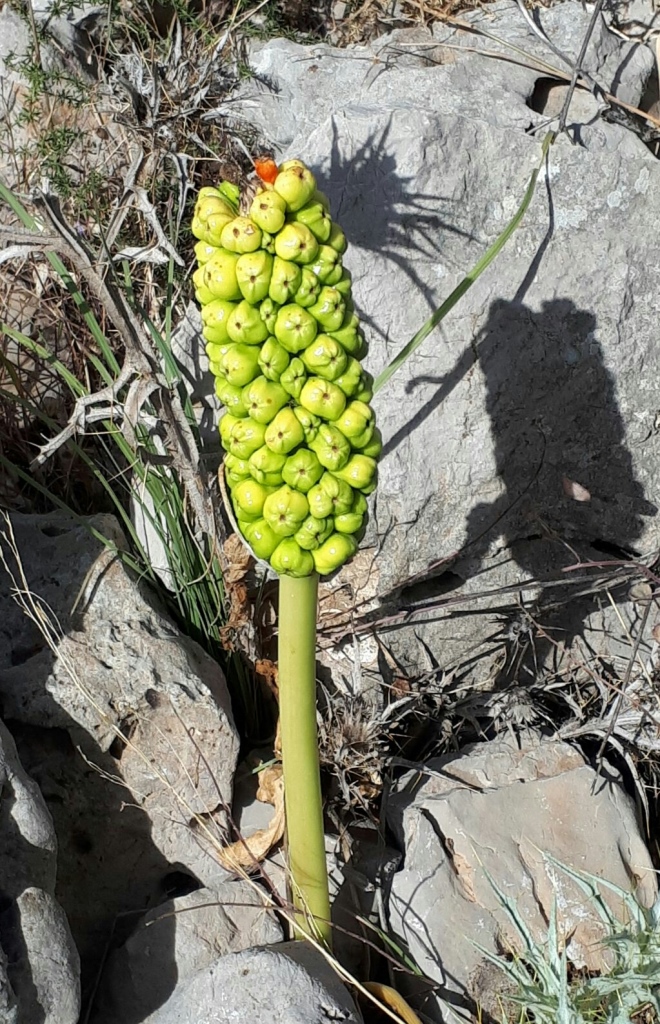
<point>381,213</point>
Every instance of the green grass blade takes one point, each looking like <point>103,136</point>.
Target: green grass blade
<point>470,278</point>
<point>26,219</point>
<point>162,342</point>
<point>69,378</point>
<point>60,268</point>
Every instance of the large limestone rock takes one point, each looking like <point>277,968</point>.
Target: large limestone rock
<point>545,375</point>
<point>126,814</point>
<point>290,982</point>
<point>39,963</point>
<point>176,940</point>
<point>498,809</point>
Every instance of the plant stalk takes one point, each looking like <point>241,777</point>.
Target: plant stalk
<point>300,753</point>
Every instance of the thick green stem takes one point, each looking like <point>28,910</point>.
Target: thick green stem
<point>300,753</point>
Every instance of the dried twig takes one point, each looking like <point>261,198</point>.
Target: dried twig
<point>577,70</point>
<point>141,374</point>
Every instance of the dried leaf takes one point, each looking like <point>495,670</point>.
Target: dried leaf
<point>641,593</point>
<point>574,490</point>
<point>238,559</point>
<point>390,998</point>
<point>142,254</point>
<point>269,784</point>
<point>238,617</point>
<point>267,672</point>
<point>243,854</point>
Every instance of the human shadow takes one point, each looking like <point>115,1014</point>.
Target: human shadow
<point>568,490</point>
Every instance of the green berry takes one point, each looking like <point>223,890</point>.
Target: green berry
<point>263,399</point>
<point>294,377</point>
<point>375,446</point>
<point>331,447</point>
<point>348,334</point>
<point>309,289</point>
<point>240,364</point>
<point>285,280</point>
<point>236,470</point>
<point>327,264</point>
<point>261,538</point>
<point>332,554</point>
<point>246,437</point>
<point>273,359</point>
<point>302,470</point>
<point>268,311</point>
<point>215,317</point>
<point>231,397</point>
<point>285,510</point>
<point>295,184</point>
<point>308,421</point>
<point>323,398</point>
<point>250,496</point>
<point>350,379</point>
<point>359,471</point>
<point>268,211</point>
<point>329,309</point>
<point>265,466</point>
<point>241,235</point>
<point>355,419</point>
<point>253,273</point>
<point>289,559</point>
<point>246,326</point>
<point>337,239</point>
<point>295,328</point>
<point>204,251</point>
<point>284,433</point>
<point>219,276</point>
<point>330,497</point>
<point>313,532</point>
<point>325,357</point>
<point>315,216</point>
<point>296,242</point>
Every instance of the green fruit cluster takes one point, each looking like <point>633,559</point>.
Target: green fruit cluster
<point>284,344</point>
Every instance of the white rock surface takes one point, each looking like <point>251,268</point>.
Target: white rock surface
<point>39,963</point>
<point>498,807</point>
<point>547,371</point>
<point>286,984</point>
<point>176,940</point>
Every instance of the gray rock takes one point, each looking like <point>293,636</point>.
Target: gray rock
<point>546,373</point>
<point>45,971</point>
<point>39,963</point>
<point>15,42</point>
<point>499,807</point>
<point>8,1004</point>
<point>15,45</point>
<point>119,664</point>
<point>176,940</point>
<point>286,984</point>
<point>28,853</point>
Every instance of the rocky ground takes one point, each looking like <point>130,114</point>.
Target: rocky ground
<point>488,663</point>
